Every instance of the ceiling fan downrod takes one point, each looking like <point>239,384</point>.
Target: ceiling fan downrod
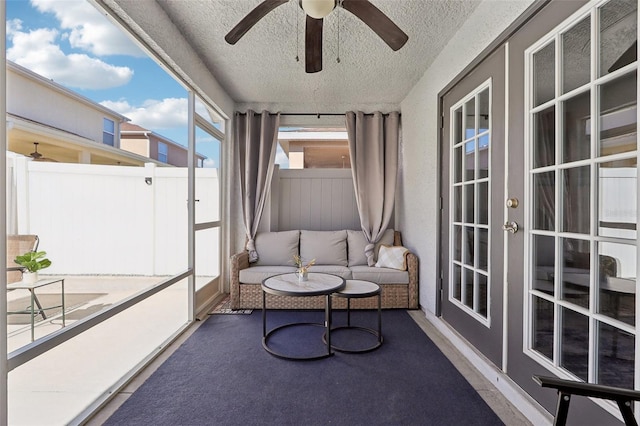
<point>35,155</point>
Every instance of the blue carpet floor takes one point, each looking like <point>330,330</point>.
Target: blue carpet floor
<point>222,376</point>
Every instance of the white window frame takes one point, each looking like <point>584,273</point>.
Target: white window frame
<point>555,36</point>
<point>106,132</point>
<point>486,321</point>
<point>163,152</point>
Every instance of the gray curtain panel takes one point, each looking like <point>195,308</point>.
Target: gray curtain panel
<point>255,138</point>
<point>373,146</point>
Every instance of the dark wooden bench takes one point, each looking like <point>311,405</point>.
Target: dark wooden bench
<point>623,397</point>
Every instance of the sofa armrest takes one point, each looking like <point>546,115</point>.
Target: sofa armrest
<point>239,261</point>
<point>412,268</point>
<point>397,238</point>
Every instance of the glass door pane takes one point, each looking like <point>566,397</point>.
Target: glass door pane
<point>207,177</point>
<point>208,208</point>
<point>470,201</point>
<point>576,55</point>
<point>618,35</point>
<point>583,196</point>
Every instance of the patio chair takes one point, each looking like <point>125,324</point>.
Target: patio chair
<point>566,388</point>
<point>16,246</point>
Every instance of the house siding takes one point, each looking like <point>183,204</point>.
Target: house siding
<point>28,98</point>
<point>136,144</point>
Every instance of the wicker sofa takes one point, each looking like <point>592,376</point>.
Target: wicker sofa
<point>336,252</point>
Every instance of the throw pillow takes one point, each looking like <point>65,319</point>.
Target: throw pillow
<point>394,257</point>
<point>326,247</point>
<point>356,244</point>
<point>277,248</point>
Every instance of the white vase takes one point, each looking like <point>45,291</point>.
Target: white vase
<point>302,276</point>
<point>30,277</point>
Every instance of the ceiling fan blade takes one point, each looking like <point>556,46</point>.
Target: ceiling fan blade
<point>251,19</point>
<point>377,21</point>
<point>313,45</point>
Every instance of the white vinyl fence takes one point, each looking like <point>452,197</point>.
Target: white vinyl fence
<point>111,220</point>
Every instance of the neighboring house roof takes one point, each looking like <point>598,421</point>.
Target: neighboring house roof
<point>130,127</point>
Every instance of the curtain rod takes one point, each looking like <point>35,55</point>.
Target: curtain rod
<point>310,114</point>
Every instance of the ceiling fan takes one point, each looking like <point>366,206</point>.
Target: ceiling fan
<point>316,10</point>
<point>38,157</point>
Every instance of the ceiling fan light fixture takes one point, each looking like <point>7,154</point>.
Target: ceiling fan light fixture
<point>318,9</point>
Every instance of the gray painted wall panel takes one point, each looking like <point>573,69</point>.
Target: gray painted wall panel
<point>321,200</point>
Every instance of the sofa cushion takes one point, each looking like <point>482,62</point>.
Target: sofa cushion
<point>256,274</point>
<point>356,243</point>
<point>277,248</point>
<point>341,271</point>
<point>326,247</point>
<point>379,275</point>
<point>394,257</point>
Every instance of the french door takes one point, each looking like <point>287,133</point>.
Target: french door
<point>539,258</point>
<point>581,185</point>
<point>472,192</point>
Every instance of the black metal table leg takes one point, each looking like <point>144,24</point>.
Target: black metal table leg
<point>327,321</point>
<point>359,289</point>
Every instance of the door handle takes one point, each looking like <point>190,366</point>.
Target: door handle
<point>510,227</point>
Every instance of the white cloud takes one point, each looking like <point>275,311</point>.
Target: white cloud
<point>89,29</point>
<point>13,26</point>
<point>37,50</point>
<point>153,114</point>
<point>209,163</point>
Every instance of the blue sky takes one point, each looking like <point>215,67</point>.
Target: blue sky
<point>70,42</point>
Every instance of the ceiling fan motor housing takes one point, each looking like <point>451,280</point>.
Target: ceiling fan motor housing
<point>318,9</point>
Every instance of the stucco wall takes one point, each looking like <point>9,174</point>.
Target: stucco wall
<point>417,202</point>
<point>136,144</point>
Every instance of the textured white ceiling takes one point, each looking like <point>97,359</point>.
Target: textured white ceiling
<point>261,68</point>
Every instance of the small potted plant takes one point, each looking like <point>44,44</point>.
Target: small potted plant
<point>32,261</point>
<point>303,270</point>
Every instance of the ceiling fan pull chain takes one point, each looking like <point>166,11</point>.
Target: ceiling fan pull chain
<point>295,16</point>
<point>338,12</point>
